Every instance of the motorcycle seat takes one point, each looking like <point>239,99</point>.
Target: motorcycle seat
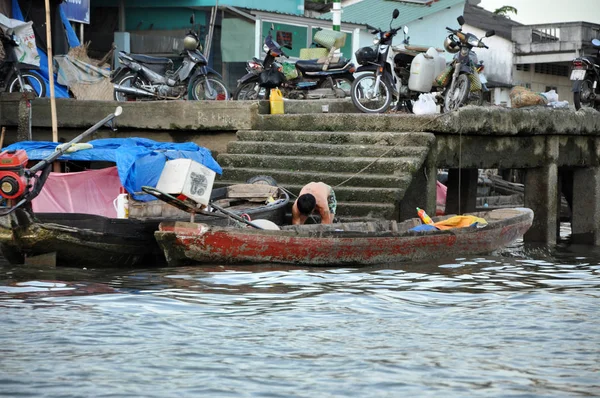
<point>146,59</point>
<point>316,65</point>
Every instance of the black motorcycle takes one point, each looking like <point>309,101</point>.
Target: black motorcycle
<point>304,79</point>
<point>586,80</point>
<point>17,76</point>
<point>142,77</point>
<point>465,85</point>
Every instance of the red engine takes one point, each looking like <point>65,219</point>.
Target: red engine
<point>12,173</point>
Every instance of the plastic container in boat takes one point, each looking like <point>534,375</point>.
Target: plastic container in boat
<point>421,74</point>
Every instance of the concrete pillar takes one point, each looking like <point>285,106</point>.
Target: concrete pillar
<point>466,180</point>
<point>585,220</point>
<point>541,193</point>
<point>336,12</point>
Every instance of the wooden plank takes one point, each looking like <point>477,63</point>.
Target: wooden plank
<point>252,192</point>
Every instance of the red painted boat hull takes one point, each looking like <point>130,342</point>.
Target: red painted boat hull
<point>195,242</point>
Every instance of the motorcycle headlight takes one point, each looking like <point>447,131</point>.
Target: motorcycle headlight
<point>266,48</point>
<point>376,40</point>
<point>472,40</point>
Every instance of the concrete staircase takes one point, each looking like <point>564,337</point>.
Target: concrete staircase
<point>294,158</point>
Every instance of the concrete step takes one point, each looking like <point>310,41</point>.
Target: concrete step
<point>293,164</point>
<point>358,122</point>
<point>366,210</point>
<point>350,138</point>
<point>305,149</point>
<point>284,177</point>
<point>351,193</point>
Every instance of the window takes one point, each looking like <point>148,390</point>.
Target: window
<point>524,67</point>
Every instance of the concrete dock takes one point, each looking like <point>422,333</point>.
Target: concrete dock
<point>382,166</point>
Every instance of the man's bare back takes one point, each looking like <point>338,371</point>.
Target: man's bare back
<point>325,203</point>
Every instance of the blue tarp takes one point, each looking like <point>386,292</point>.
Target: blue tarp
<point>139,160</point>
<point>60,91</point>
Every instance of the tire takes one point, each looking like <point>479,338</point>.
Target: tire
<point>362,93</point>
<point>268,180</point>
<point>581,98</point>
<point>343,82</point>
<point>32,82</point>
<point>247,91</point>
<point>128,80</point>
<point>456,98</point>
<point>199,91</point>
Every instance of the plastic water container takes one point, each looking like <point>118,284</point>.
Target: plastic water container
<point>276,102</point>
<point>421,74</point>
<point>439,62</point>
<point>121,205</point>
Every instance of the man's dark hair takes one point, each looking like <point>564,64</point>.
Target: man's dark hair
<point>306,204</point>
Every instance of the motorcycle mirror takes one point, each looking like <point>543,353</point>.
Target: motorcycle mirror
<point>490,33</point>
<point>596,42</point>
<point>395,14</point>
<point>193,19</point>
<point>461,20</point>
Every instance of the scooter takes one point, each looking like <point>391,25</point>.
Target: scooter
<point>18,76</point>
<point>142,77</point>
<point>465,85</point>
<point>393,72</point>
<point>585,76</point>
<point>304,79</point>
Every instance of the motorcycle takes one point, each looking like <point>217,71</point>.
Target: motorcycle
<point>465,85</point>
<point>144,77</point>
<point>18,76</point>
<point>390,72</point>
<point>304,79</point>
<point>586,80</point>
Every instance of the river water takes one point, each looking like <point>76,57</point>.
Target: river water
<point>523,322</point>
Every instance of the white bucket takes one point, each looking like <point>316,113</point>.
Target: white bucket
<point>121,205</point>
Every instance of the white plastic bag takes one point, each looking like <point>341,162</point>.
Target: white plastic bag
<point>551,96</point>
<point>425,105</point>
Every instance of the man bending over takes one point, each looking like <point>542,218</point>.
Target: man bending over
<point>314,196</point>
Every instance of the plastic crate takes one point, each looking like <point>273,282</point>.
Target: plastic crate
<point>313,53</point>
<point>330,38</point>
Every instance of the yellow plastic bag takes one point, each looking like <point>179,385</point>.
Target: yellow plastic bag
<point>276,101</point>
<point>460,222</point>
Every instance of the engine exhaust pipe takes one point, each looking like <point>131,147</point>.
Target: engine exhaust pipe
<point>133,90</point>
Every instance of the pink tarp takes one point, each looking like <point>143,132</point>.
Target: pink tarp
<point>89,192</point>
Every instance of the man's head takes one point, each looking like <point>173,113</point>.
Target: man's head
<point>306,204</point>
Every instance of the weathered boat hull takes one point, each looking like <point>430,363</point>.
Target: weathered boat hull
<point>183,243</point>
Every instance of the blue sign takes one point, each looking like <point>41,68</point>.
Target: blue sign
<point>77,10</point>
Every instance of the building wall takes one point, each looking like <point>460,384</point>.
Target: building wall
<point>498,59</point>
<point>539,82</point>
<point>430,31</point>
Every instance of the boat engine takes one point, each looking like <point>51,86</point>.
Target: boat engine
<point>13,181</point>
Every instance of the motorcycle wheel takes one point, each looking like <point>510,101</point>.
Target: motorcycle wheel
<point>475,98</point>
<point>582,98</point>
<point>363,96</point>
<point>32,81</point>
<point>456,98</point>
<point>128,80</point>
<point>247,92</point>
<point>200,91</point>
<point>343,83</point>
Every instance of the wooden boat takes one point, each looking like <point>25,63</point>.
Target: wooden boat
<point>339,244</point>
<point>88,240</point>
<point>84,231</point>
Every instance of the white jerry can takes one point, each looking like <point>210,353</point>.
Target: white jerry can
<point>187,177</point>
<point>438,61</point>
<point>421,74</point>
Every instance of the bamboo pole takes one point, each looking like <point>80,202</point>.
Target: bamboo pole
<point>51,73</point>
<point>2,137</point>
<point>211,28</point>
<point>56,165</point>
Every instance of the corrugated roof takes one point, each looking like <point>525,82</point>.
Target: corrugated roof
<point>486,20</point>
<point>378,13</point>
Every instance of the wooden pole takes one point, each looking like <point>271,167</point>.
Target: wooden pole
<point>51,73</point>
<point>2,137</point>
<point>211,28</point>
